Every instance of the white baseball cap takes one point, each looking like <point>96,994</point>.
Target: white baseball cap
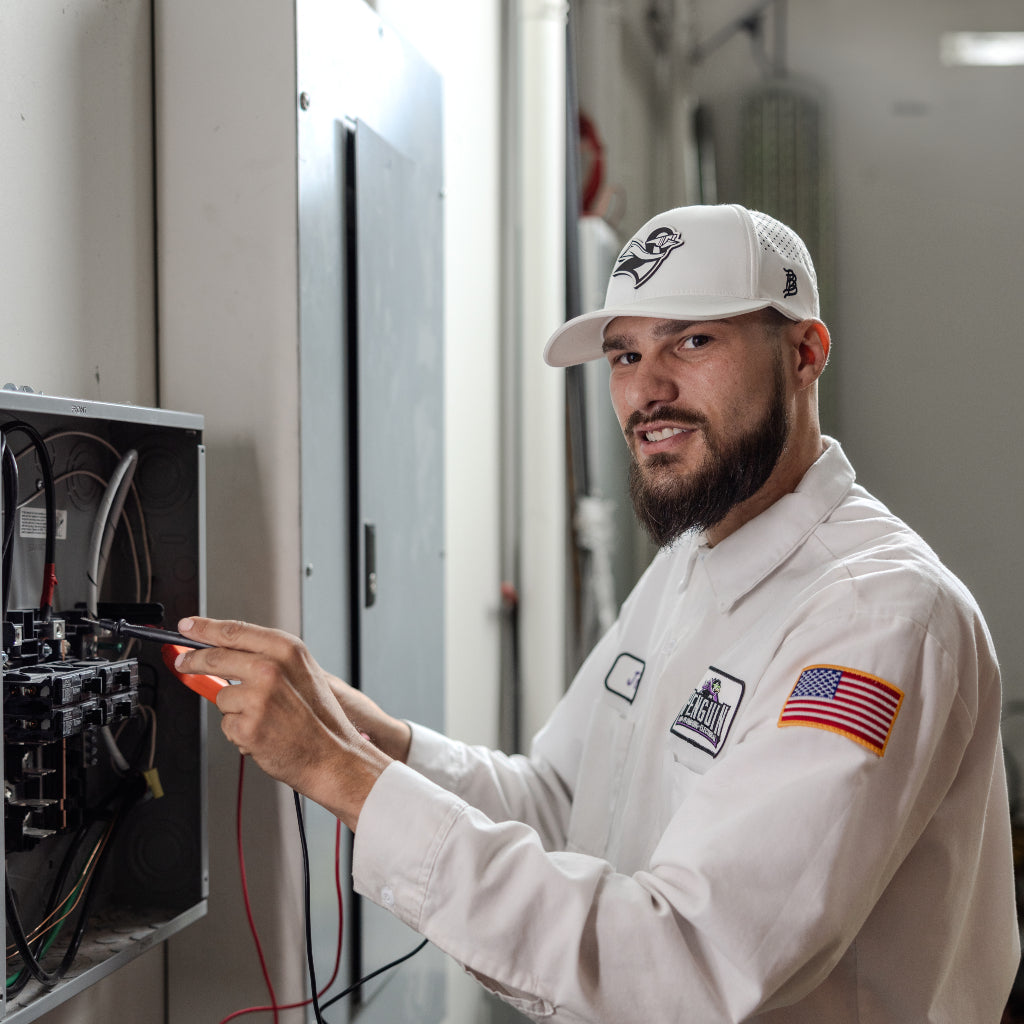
<point>697,263</point>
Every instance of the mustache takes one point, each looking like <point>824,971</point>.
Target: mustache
<point>665,414</point>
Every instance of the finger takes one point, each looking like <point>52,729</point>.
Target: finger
<point>227,727</point>
<point>240,666</point>
<point>238,635</point>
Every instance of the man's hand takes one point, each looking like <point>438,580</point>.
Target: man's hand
<point>286,714</point>
<point>392,735</point>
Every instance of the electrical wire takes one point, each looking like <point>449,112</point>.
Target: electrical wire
<point>10,495</point>
<point>33,947</point>
<point>338,893</point>
<point>46,468</point>
<point>149,725</point>
<point>102,538</point>
<point>143,529</point>
<point>105,523</point>
<point>59,909</point>
<point>29,956</point>
<point>373,974</point>
<point>315,999</point>
<point>60,478</point>
<point>319,1007</point>
<point>50,926</point>
<point>245,890</point>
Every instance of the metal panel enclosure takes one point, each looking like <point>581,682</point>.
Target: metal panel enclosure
<point>155,880</point>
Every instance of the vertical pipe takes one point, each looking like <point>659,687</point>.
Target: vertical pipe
<point>510,697</point>
<point>541,33</point>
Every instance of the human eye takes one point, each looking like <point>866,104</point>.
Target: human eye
<point>623,358</point>
<point>694,341</point>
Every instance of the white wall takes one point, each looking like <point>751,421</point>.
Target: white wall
<point>76,256</point>
<point>227,257</point>
<point>472,134</point>
<point>76,202</point>
<point>928,164</point>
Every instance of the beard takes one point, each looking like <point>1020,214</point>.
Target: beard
<point>734,469</point>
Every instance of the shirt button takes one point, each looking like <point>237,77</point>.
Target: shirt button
<point>387,897</point>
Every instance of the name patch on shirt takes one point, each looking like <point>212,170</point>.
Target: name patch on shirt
<point>850,703</point>
<point>624,677</point>
<point>708,715</point>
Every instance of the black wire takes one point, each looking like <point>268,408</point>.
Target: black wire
<point>50,978</point>
<point>318,1007</point>
<point>373,974</point>
<point>129,794</point>
<point>308,912</point>
<point>10,485</point>
<point>46,468</point>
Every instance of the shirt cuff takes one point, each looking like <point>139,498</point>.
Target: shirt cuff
<point>439,758</point>
<point>396,875</point>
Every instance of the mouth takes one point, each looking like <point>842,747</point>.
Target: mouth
<point>661,435</point>
<point>663,440</point>
<point>668,430</point>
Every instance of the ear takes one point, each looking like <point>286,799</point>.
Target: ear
<point>812,341</point>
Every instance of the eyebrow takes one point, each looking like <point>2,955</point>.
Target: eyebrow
<point>663,328</point>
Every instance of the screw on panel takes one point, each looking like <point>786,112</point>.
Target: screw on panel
<point>304,100</point>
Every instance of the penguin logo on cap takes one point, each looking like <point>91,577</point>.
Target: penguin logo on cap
<point>641,260</point>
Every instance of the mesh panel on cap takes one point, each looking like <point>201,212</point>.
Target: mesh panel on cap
<point>776,237</point>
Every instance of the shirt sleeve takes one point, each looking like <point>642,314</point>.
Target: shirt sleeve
<point>767,870</point>
<point>534,790</point>
<point>504,787</point>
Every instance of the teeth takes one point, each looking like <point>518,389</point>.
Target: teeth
<point>660,435</point>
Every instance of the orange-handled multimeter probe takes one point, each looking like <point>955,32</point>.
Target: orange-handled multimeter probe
<point>173,645</point>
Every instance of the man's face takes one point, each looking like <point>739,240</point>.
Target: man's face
<point>704,410</point>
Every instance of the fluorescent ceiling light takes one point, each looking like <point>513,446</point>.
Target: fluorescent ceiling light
<point>986,49</point>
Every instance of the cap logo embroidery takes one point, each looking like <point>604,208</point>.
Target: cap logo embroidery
<point>790,289</point>
<point>641,260</point>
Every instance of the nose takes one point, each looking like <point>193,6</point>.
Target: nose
<point>651,384</point>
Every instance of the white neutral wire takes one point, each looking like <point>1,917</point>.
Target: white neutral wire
<point>104,525</point>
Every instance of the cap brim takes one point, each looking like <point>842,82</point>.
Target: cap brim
<point>582,338</point>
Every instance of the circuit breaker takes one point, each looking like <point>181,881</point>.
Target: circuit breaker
<point>105,834</point>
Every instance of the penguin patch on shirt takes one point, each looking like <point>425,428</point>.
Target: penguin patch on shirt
<point>707,716</point>
<point>624,677</point>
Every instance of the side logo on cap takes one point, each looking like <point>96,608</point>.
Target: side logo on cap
<point>790,289</point>
<point>641,260</point>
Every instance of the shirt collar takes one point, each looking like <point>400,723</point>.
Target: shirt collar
<point>745,558</point>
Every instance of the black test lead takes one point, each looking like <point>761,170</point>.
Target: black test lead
<point>122,629</point>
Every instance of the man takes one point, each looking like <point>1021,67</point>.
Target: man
<point>775,790</point>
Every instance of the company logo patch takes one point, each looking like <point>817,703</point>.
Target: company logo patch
<point>850,703</point>
<point>642,260</point>
<point>708,715</point>
<point>624,677</point>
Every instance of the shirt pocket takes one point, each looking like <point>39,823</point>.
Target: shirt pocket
<point>600,776</point>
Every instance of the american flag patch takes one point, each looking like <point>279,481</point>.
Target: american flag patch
<point>840,700</point>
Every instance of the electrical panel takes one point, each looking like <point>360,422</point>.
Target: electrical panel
<point>103,748</point>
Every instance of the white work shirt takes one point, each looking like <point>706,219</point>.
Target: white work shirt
<point>774,792</point>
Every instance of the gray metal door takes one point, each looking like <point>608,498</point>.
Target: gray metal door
<point>399,451</point>
<point>372,422</point>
